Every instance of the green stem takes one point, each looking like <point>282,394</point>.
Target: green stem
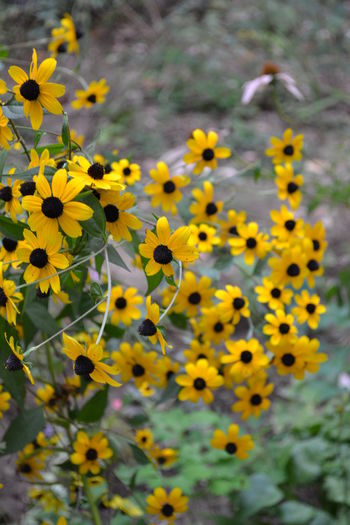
<point>94,510</point>
<point>19,138</point>
<point>289,120</point>
<point>50,365</point>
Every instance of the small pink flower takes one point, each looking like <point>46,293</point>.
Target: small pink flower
<point>117,403</point>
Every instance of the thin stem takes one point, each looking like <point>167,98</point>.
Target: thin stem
<point>50,365</point>
<point>70,73</point>
<point>147,221</point>
<point>19,138</point>
<point>283,115</point>
<point>94,510</point>
<point>175,294</point>
<point>109,291</point>
<point>29,43</point>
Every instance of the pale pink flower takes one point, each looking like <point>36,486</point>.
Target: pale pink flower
<point>117,403</point>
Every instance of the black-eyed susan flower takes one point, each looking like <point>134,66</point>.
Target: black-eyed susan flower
<point>165,370</point>
<point>48,397</point>
<point>146,390</point>
<point>94,94</point>
<point>279,327</point>
<point>316,234</point>
<point>9,194</point>
<point>162,248</point>
<point>165,505</point>
<point>4,401</point>
<point>118,220</point>
<point>231,443</point>
<point>129,172</point>
<point>308,309</point>
<point>65,37</point>
<point>313,261</point>
<point>194,294</point>
<point>8,252</point>
<point>15,361</point>
<point>29,464</point>
<point>253,398</point>
<point>9,298</point>
<point>233,305</point>
<point>54,207</point>
<point>35,91</point>
<point>203,151</point>
<point>123,305</point>
<point>250,241</point>
<point>205,208</point>
<point>5,132</point>
<point>288,185</point>
<point>245,357</point>
<point>165,189</point>
<point>135,363</point>
<point>125,505</point>
<point>43,257</point>
<point>148,327</point>
<point>41,161</point>
<point>286,227</point>
<point>290,267</point>
<point>200,350</point>
<point>144,438</point>
<point>93,175</point>
<point>203,237</point>
<point>88,361</point>
<point>164,457</point>
<point>213,327</point>
<point>312,357</point>
<point>276,296</point>
<point>89,451</point>
<point>288,358</point>
<point>199,381</point>
<point>287,149</point>
<point>228,228</point>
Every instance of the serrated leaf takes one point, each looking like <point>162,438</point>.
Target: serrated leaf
<point>94,408</point>
<point>23,429</point>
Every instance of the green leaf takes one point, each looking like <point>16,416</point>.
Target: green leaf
<point>37,138</point>
<point>3,156</point>
<point>65,133</point>
<point>13,111</point>
<point>139,455</point>
<point>4,53</point>
<point>114,331</point>
<point>153,281</point>
<point>23,429</point>
<point>170,280</point>
<point>13,230</point>
<point>178,320</point>
<point>14,382</point>
<point>262,493</point>
<point>295,513</point>
<point>53,149</point>
<point>96,292</point>
<point>97,224</point>
<point>94,409</point>
<point>171,391</point>
<point>116,259</point>
<point>41,318</point>
<point>307,458</point>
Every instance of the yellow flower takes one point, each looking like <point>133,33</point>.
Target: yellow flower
<point>250,242</point>
<point>232,443</point>
<point>8,252</point>
<point>5,132</point>
<point>129,172</point>
<point>42,254</point>
<point>200,350</point>
<point>35,91</point>
<point>199,381</point>
<point>65,38</point>
<point>287,149</point>
<point>247,357</point>
<point>29,464</point>
<point>93,175</point>
<point>297,357</point>
<point>233,304</point>
<point>205,209</point>
<point>118,220</point>
<point>203,237</point>
<point>253,398</point>
<point>213,327</point>
<point>54,206</point>
<point>88,361</point>
<point>203,151</point>
<point>4,401</point>
<point>10,195</point>
<point>165,190</point>
<point>164,457</point>
<point>288,185</point>
<point>313,263</point>
<point>317,235</point>
<point>275,296</point>
<point>88,451</point>
<point>309,309</point>
<point>144,438</point>
<point>148,327</point>
<point>123,305</point>
<point>229,227</point>
<point>166,369</point>
<point>280,327</point>
<point>8,299</point>
<point>47,395</point>
<point>15,361</point>
<point>287,228</point>
<point>94,94</point>
<point>123,504</point>
<point>135,363</point>
<point>166,506</point>
<point>194,294</point>
<point>289,268</point>
<point>40,161</point>
<point>164,247</point>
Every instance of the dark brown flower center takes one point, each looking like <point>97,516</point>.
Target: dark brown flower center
<point>96,171</point>
<point>52,207</point>
<point>208,154</point>
<point>25,468</point>
<point>251,243</point>
<point>91,454</point>
<point>211,209</point>
<point>91,98</point>
<point>9,244</point>
<point>292,187</point>
<point>83,366</point>
<point>313,265</point>
<point>316,244</point>
<point>290,225</point>
<point>202,236</point>
<point>276,293</point>
<point>218,327</point>
<point>231,448</point>
<point>162,254</point>
<point>138,370</point>
<point>293,270</point>
<point>127,171</point>
<point>3,297</point>
<point>256,400</point>
<point>284,328</point>
<point>111,213</point>
<point>233,230</point>
<point>246,356</point>
<point>238,303</point>
<point>30,89</point>
<point>147,328</point>
<point>167,510</point>
<point>6,194</point>
<point>199,383</point>
<point>120,303</point>
<point>38,258</point>
<point>13,364</point>
<point>169,186</point>
<point>194,298</point>
<point>27,188</point>
<point>288,150</point>
<point>288,359</point>
<point>311,307</point>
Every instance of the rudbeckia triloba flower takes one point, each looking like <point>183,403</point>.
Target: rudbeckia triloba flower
<point>203,237</point>
<point>134,363</point>
<point>30,464</point>
<point>194,294</point>
<point>289,268</point>
<point>199,381</point>
<point>286,227</point>
<point>94,94</point>
<point>205,209</point>
<point>8,251</point>
<point>166,506</point>
<point>228,228</point>
<point>203,151</point>
<point>118,220</point>
<point>166,369</point>
<point>316,234</point>
<point>247,357</point>
<point>5,132</point>
<point>88,361</point>
<point>287,149</point>
<point>144,438</point>
<point>250,241</point>
<point>280,327</point>
<point>42,254</point>
<point>297,357</point>
<point>54,206</point>
<point>123,304</point>
<point>164,457</point>
<point>129,172</point>
<point>47,396</point>
<point>200,350</point>
<point>65,38</point>
<point>165,190</point>
<point>308,309</point>
<point>276,296</point>
<point>10,194</point>
<point>254,397</point>
<point>233,304</point>
<point>313,263</point>
<point>88,451</point>
<point>93,175</point>
<point>288,185</point>
<point>4,401</point>
<point>35,91</point>
<point>164,247</point>
<point>41,161</point>
<point>8,298</point>
<point>15,361</point>
<point>232,443</point>
<point>214,328</point>
<point>148,327</point>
